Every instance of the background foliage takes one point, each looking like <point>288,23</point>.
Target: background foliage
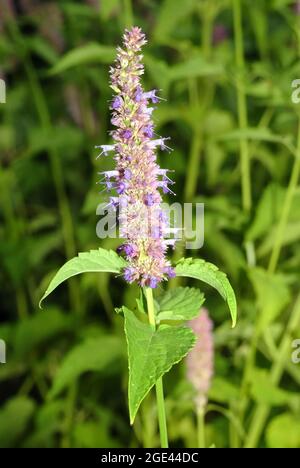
<point>65,380</point>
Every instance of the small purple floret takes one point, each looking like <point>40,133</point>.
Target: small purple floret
<point>126,134</point>
<point>116,103</point>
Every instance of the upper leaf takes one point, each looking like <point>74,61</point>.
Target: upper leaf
<point>210,274</point>
<point>93,261</point>
<point>180,304</point>
<point>151,353</point>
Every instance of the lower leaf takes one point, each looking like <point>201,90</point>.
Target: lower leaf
<point>151,353</point>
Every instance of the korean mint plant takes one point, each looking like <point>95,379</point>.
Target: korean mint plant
<point>158,338</point>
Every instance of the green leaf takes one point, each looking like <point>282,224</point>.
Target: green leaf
<point>194,67</point>
<point>93,261</point>
<point>87,54</point>
<point>94,354</point>
<point>38,328</point>
<point>272,295</point>
<point>265,392</point>
<point>258,134</point>
<point>267,211</point>
<point>223,391</point>
<point>210,274</point>
<point>14,418</point>
<point>284,432</point>
<point>180,304</point>
<point>151,354</point>
<point>107,9</point>
<point>94,434</point>
<point>291,235</point>
<point>159,71</point>
<point>170,13</point>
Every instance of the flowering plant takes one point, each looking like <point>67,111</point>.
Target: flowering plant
<point>156,334</point>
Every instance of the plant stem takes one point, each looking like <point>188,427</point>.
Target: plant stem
<point>262,411</point>
<point>242,106</point>
<point>54,159</point>
<point>14,234</point>
<point>193,166</point>
<point>286,209</point>
<point>201,428</point>
<point>128,13</point>
<point>159,384</point>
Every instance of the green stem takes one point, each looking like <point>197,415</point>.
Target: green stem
<point>159,384</point>
<point>262,411</point>
<point>14,233</point>
<point>201,428</point>
<point>242,106</point>
<point>128,13</point>
<point>193,166</point>
<point>56,168</point>
<point>286,209</point>
<point>234,435</point>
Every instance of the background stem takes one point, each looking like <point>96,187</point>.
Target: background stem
<point>286,209</point>
<point>242,105</point>
<point>128,13</point>
<point>201,428</point>
<point>262,411</point>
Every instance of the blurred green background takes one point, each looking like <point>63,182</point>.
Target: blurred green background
<point>228,85</point>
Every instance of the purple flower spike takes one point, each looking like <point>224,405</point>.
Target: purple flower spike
<point>105,149</point>
<point>152,282</point>
<point>116,103</point>
<point>148,131</point>
<point>129,274</point>
<point>126,134</point>
<point>297,8</point>
<point>138,94</point>
<point>170,272</point>
<point>127,174</point>
<point>149,199</point>
<point>220,34</point>
<point>121,188</point>
<point>152,95</point>
<point>129,250</point>
<point>200,361</point>
<point>141,219</point>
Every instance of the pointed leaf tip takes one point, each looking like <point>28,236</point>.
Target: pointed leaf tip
<point>100,260</point>
<point>210,274</point>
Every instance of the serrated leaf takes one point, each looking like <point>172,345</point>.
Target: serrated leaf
<point>180,304</point>
<point>94,261</point>
<point>87,54</point>
<point>210,274</point>
<point>94,354</point>
<point>151,353</point>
